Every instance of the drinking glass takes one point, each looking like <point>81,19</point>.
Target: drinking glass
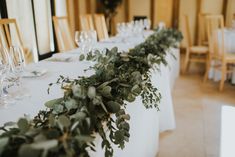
<point>2,74</point>
<point>18,62</point>
<point>80,39</point>
<point>4,69</point>
<point>17,66</point>
<point>147,24</point>
<point>92,39</point>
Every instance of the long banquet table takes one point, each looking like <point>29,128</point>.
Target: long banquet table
<point>145,124</point>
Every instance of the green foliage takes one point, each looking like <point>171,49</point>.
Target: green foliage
<point>92,105</point>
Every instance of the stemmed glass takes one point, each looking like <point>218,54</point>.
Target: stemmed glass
<point>147,24</point>
<point>86,40</point>
<point>80,39</point>
<point>16,70</point>
<point>92,35</point>
<point>2,75</point>
<point>4,69</point>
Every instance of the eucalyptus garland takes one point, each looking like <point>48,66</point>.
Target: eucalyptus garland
<point>92,105</point>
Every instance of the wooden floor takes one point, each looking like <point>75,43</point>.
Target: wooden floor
<point>198,109</point>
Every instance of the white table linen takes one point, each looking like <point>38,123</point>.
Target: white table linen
<point>145,124</point>
<point>229,38</point>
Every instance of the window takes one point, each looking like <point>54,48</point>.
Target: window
<point>34,18</point>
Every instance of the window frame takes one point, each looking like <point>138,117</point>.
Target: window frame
<point>4,14</point>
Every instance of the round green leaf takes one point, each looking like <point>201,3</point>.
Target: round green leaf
<point>91,92</point>
<point>23,125</point>
<point>63,121</point>
<point>113,106</point>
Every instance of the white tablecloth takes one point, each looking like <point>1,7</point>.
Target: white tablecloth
<point>229,39</point>
<point>145,124</point>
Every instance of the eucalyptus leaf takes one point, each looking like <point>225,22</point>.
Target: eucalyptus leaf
<point>136,90</point>
<point>119,136</point>
<point>113,106</point>
<point>23,125</point>
<point>10,124</point>
<point>70,104</point>
<point>45,145</point>
<point>58,108</point>
<point>106,91</point>
<point>50,104</point>
<point>3,143</point>
<point>91,92</point>
<point>86,139</point>
<point>28,151</point>
<point>51,120</point>
<point>81,57</point>
<point>130,97</point>
<point>79,91</point>
<point>63,121</point>
<point>79,115</point>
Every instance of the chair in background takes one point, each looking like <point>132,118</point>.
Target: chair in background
<point>100,26</point>
<point>63,34</point>
<point>193,53</point>
<point>10,36</point>
<point>218,54</point>
<point>86,22</point>
<point>202,36</point>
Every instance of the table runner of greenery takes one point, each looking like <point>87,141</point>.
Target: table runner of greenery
<point>92,105</point>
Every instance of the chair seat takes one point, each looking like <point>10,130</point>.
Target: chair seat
<point>230,57</point>
<point>199,49</point>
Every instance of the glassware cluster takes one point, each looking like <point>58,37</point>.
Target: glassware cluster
<point>86,40</point>
<point>133,28</point>
<point>12,63</point>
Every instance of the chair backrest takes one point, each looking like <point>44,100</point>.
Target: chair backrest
<point>187,31</point>
<point>10,36</point>
<point>86,22</point>
<point>63,34</point>
<point>100,26</point>
<point>215,33</point>
<point>202,38</point>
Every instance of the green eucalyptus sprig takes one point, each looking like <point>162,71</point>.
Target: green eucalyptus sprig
<point>92,105</point>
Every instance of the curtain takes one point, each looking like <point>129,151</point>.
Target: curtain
<point>43,24</point>
<point>23,13</point>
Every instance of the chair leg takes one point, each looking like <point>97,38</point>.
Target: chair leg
<point>186,62</point>
<point>208,65</point>
<point>223,74</point>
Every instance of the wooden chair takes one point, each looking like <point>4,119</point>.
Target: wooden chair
<point>215,30</point>
<point>202,36</point>
<point>100,26</point>
<point>10,36</point>
<point>63,34</point>
<point>193,53</point>
<point>86,22</point>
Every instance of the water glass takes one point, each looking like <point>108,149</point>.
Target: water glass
<point>147,24</point>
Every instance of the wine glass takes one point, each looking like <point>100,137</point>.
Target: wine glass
<point>2,74</point>
<point>147,24</point>
<point>18,61</point>
<point>80,39</point>
<point>92,39</point>
<point>16,70</point>
<point>4,69</point>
